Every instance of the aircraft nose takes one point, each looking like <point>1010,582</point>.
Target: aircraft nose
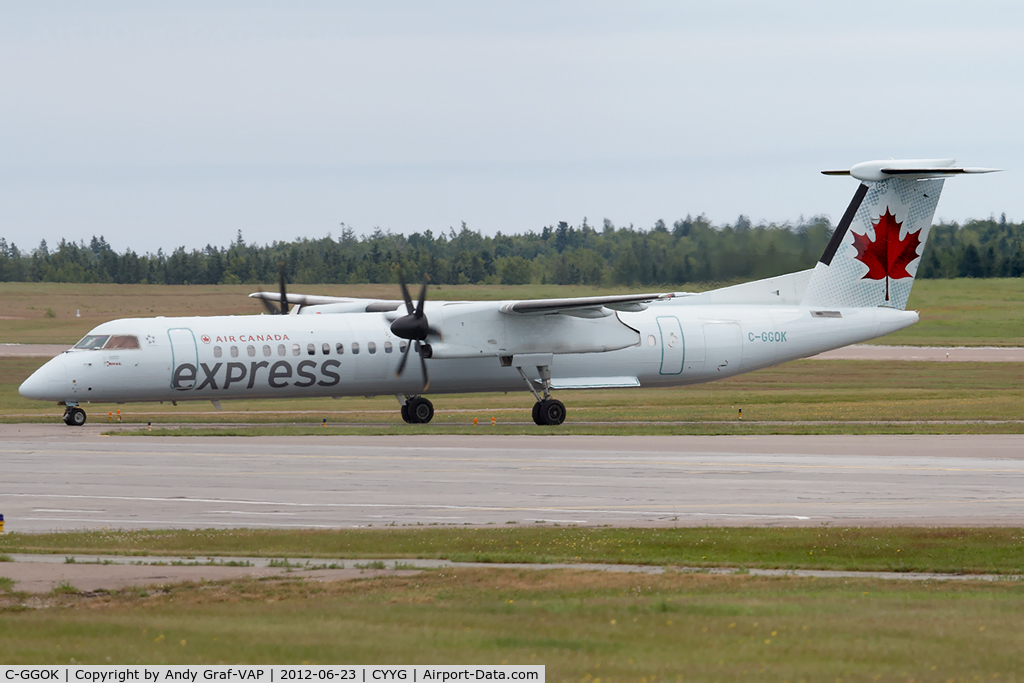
<point>47,383</point>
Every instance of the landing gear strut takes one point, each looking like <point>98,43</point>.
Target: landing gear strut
<point>74,416</point>
<point>547,410</point>
<point>416,409</point>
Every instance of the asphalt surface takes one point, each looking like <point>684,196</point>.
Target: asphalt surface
<point>961,354</point>
<point>57,477</point>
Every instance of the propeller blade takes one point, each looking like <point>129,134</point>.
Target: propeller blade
<point>271,309</point>
<point>423,364</point>
<point>423,296</point>
<point>401,364</point>
<point>405,293</point>
<point>284,295</point>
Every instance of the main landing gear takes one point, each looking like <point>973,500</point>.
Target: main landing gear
<point>549,411</point>
<point>546,411</point>
<point>416,409</point>
<point>74,416</point>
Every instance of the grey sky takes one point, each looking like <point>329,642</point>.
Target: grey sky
<point>167,124</point>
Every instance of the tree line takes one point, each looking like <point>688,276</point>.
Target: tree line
<point>690,250</point>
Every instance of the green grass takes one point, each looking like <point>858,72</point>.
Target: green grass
<point>847,392</point>
<point>23,306</point>
<point>965,312</point>
<point>996,550</point>
<point>953,312</point>
<point>580,625</point>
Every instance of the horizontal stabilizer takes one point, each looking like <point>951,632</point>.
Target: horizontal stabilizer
<point>910,169</point>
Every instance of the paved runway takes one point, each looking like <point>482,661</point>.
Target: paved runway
<point>55,477</point>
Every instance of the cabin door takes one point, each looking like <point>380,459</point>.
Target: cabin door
<point>673,350</point>
<point>723,343</point>
<point>183,354</point>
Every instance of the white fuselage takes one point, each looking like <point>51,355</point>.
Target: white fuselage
<point>353,354</point>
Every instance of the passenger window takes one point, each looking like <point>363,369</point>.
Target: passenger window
<point>355,348</point>
<point>311,349</point>
<point>371,347</point>
<point>296,349</point>
<point>281,350</point>
<point>402,346</point>
<point>326,348</point>
<point>234,352</point>
<point>251,350</point>
<point>387,347</point>
<point>651,341</point>
<point>217,352</point>
<point>266,350</point>
<point>340,348</point>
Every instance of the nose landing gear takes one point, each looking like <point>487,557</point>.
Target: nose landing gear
<point>74,416</point>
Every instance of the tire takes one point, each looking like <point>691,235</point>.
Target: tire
<point>552,412</point>
<point>536,413</point>
<point>75,417</point>
<point>421,411</point>
<point>405,412</point>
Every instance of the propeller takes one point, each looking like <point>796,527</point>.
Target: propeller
<point>414,327</point>
<point>271,308</point>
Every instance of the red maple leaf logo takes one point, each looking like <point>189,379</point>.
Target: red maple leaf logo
<point>888,256</point>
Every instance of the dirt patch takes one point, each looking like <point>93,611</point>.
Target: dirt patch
<point>42,577</point>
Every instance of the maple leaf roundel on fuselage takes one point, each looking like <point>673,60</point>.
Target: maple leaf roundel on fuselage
<point>887,255</point>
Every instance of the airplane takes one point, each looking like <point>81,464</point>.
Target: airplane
<point>337,346</point>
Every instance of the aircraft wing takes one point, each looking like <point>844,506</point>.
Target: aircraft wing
<point>587,306</point>
<point>580,307</point>
<point>369,305</point>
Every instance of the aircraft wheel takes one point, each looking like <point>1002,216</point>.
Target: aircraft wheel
<point>552,411</point>
<point>405,412</point>
<point>74,417</point>
<point>421,411</point>
<point>536,413</point>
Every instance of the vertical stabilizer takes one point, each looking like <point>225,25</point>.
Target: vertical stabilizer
<point>875,250</point>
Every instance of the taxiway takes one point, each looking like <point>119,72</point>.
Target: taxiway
<point>56,477</point>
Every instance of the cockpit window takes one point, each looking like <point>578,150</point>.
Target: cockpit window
<point>122,341</point>
<point>108,341</point>
<point>93,341</point>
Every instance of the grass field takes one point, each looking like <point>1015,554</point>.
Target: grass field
<point>857,394</point>
<point>995,550</point>
<point>953,312</point>
<point>587,626</point>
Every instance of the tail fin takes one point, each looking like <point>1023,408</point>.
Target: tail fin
<point>875,250</point>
